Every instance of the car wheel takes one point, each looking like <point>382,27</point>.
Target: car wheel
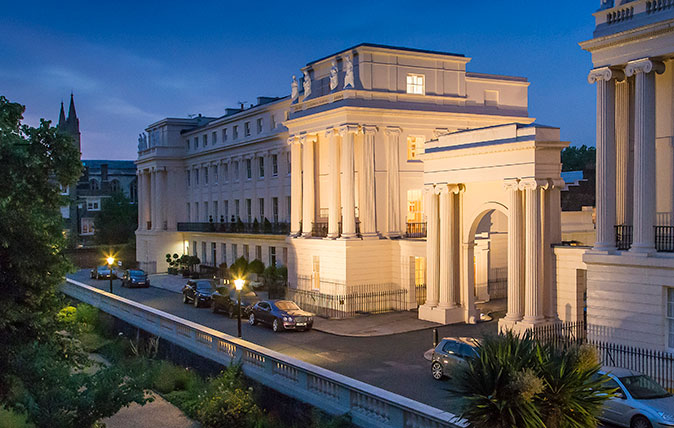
<point>252,320</point>
<point>184,298</point>
<point>196,302</point>
<point>436,371</point>
<point>276,326</point>
<point>640,422</point>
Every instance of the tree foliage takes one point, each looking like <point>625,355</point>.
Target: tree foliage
<point>40,361</point>
<point>519,382</point>
<point>578,158</point>
<point>117,220</point>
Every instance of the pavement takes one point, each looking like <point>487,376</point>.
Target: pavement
<point>149,415</point>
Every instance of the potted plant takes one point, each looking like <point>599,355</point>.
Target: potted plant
<point>173,264</point>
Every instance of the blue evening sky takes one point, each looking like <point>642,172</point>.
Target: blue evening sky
<point>132,63</point>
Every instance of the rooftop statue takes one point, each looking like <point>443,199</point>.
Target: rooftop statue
<point>307,84</point>
<point>293,89</point>
<point>348,68</point>
<point>334,81</point>
<point>142,142</point>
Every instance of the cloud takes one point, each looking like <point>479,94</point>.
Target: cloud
<point>57,76</point>
<point>120,107</point>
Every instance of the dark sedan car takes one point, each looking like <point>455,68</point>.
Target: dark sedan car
<point>198,291</point>
<point>102,272</point>
<point>135,278</point>
<point>281,315</point>
<point>225,300</point>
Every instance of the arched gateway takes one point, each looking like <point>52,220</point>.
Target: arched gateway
<point>513,169</point>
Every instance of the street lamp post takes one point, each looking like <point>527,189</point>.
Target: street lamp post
<point>110,261</point>
<point>238,283</point>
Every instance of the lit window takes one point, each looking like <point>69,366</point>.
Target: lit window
<point>414,145</point>
<point>415,213</point>
<point>419,271</point>
<point>246,129</point>
<point>415,84</point>
<point>316,273</point>
<point>272,256</point>
<point>94,205</point>
<point>87,226</point>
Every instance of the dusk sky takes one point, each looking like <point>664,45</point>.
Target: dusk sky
<point>132,63</point>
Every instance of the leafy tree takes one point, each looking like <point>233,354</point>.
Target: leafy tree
<point>578,158</point>
<point>256,266</point>
<point>117,220</point>
<point>40,367</point>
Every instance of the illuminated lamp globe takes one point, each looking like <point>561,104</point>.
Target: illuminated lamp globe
<point>238,283</point>
<point>110,260</point>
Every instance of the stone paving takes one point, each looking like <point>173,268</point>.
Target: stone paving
<point>158,413</point>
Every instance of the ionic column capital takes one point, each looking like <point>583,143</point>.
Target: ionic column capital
<point>456,188</point>
<point>293,140</point>
<point>429,188</point>
<point>511,184</point>
<point>440,131</point>
<point>331,132</point>
<point>604,74</point>
<point>308,138</point>
<point>349,128</point>
<point>441,189</point>
<point>393,130</point>
<point>644,65</point>
<point>533,183</point>
<point>369,129</point>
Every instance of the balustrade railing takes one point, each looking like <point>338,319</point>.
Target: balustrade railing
<point>368,405</point>
<point>415,230</point>
<point>319,229</point>
<point>664,237</point>
<point>236,227</point>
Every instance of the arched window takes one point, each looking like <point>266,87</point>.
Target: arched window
<point>93,184</point>
<point>115,186</point>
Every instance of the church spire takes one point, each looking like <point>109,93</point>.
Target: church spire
<point>72,115</point>
<point>62,119</point>
<point>72,124</point>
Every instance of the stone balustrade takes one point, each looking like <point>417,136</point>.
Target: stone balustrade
<point>331,392</point>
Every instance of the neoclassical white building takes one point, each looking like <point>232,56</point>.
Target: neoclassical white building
<point>375,148</point>
<point>630,270</point>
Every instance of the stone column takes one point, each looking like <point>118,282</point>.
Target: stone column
<point>515,252</point>
<point>141,198</point>
<point>533,299</point>
<point>295,186</point>
<point>432,246</point>
<point>447,239</point>
<point>622,144</point>
<point>553,230</point>
<point>367,206</point>
<point>606,156</point>
<point>393,181</point>
<point>308,180</point>
<point>171,209</point>
<point>154,207</point>
<point>348,134</point>
<point>334,207</point>
<point>644,152</point>
<point>162,188</point>
<point>147,198</point>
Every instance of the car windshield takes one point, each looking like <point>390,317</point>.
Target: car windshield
<point>204,285</point>
<point>643,387</point>
<point>136,273</point>
<point>287,306</point>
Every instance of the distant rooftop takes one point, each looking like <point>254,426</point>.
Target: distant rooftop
<point>112,164</point>
<point>398,48</point>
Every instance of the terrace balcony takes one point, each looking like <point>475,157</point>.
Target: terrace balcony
<point>236,227</point>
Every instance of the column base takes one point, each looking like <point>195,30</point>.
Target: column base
<point>600,248</point>
<point>528,324</point>
<point>370,235</point>
<point>348,236</point>
<point>505,324</point>
<point>331,237</point>
<point>306,235</point>
<point>441,315</point>
<point>642,250</point>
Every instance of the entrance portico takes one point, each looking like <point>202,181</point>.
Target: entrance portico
<point>514,169</point>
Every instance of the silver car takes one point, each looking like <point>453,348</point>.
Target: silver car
<point>640,402</point>
<point>448,354</point>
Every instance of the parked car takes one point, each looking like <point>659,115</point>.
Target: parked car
<point>103,272</point>
<point>639,402</point>
<point>135,278</point>
<point>225,299</point>
<point>281,315</point>
<point>198,291</point>
<point>449,354</point>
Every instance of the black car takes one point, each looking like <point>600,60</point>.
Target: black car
<point>102,272</point>
<point>225,300</point>
<point>281,315</point>
<point>135,278</point>
<point>198,291</point>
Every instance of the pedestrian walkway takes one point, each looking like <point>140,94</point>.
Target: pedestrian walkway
<point>156,413</point>
<point>364,325</point>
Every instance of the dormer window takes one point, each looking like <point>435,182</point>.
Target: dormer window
<point>416,84</point>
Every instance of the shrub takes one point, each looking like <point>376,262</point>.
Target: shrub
<point>227,402</point>
<point>67,316</point>
<point>169,377</point>
<point>13,419</point>
<point>256,267</point>
<point>87,316</point>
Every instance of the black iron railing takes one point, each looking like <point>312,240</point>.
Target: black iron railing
<point>415,230</point>
<point>319,229</point>
<point>420,293</point>
<point>348,305</point>
<point>265,228</point>
<point>664,237</point>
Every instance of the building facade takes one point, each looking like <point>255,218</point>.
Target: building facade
<point>99,180</point>
<point>329,180</point>
<point>630,281</point>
